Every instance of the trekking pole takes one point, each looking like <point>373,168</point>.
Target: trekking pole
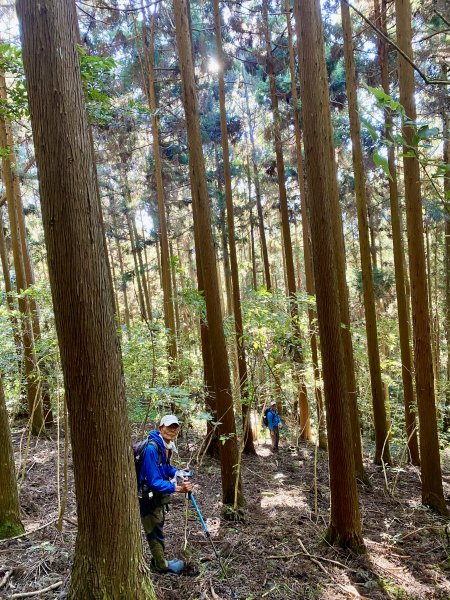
<point>206,530</point>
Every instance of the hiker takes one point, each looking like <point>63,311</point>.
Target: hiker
<point>158,482</point>
<point>273,422</point>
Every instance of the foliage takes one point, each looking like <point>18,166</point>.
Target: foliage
<point>16,104</point>
<point>96,74</point>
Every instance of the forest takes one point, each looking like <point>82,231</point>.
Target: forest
<point>225,225</point>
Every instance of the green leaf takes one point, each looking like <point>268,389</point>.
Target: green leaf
<point>379,94</point>
<point>381,162</point>
<point>370,128</point>
<point>426,133</point>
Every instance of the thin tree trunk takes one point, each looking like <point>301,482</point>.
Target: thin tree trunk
<point>142,268</point>
<point>34,398</point>
<point>345,524</point>
<point>248,446</point>
<point>262,231</point>
<point>10,522</point>
<point>382,453</point>
<point>432,491</point>
<point>137,273</point>
<point>169,315</point>
<point>231,480</point>
<point>252,231</point>
<point>123,282</point>
<point>8,289</point>
<point>397,242</point>
<point>173,273</point>
<point>115,295</point>
<point>82,297</point>
<point>223,239</point>
<point>34,310</point>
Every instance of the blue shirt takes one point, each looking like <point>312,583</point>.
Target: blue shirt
<point>157,477</point>
<point>273,419</point>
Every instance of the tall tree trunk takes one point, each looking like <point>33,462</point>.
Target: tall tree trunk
<point>345,524</point>
<point>397,242</point>
<point>305,425</point>
<point>446,160</point>
<point>123,282</point>
<point>34,310</point>
<point>142,268</point>
<point>137,272</point>
<point>224,241</point>
<point>231,480</point>
<point>212,443</point>
<point>432,492</point>
<point>430,298</point>
<point>262,231</point>
<point>173,273</point>
<point>10,523</point>
<point>350,378</point>
<point>248,446</point>
<point>379,410</point>
<point>309,276</point>
<point>8,288</point>
<point>166,270</point>
<point>34,397</point>
<point>82,298</point>
<point>252,231</point>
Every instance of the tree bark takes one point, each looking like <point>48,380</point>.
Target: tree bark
<point>8,288</point>
<point>350,379</point>
<point>309,276</point>
<point>432,492</point>
<point>382,453</point>
<point>231,480</point>
<point>446,160</point>
<point>10,522</point>
<point>108,559</point>
<point>345,524</point>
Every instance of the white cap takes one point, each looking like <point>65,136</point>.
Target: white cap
<point>168,420</point>
<point>274,402</point>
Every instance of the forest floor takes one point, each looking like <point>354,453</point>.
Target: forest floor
<point>277,552</point>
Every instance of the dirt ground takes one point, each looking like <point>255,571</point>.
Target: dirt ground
<point>277,552</point>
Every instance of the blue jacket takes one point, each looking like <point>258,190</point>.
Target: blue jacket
<point>157,477</point>
<point>273,419</point>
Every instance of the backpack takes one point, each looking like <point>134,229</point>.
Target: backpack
<point>139,449</point>
<point>265,419</point>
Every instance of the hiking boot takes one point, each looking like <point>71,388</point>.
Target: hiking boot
<point>175,566</point>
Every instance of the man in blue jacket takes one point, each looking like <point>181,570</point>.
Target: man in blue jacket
<point>157,480</point>
<point>274,421</point>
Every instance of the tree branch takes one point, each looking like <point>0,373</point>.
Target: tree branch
<point>446,21</point>
<point>399,50</point>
